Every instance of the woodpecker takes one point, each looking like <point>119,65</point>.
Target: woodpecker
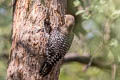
<point>59,42</point>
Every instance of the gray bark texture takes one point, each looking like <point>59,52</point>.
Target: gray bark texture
<point>29,38</point>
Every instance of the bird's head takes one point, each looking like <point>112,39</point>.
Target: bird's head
<point>69,20</point>
<point>69,24</point>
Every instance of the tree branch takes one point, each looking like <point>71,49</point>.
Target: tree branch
<point>74,57</point>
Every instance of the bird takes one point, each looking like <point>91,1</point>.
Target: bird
<point>59,42</point>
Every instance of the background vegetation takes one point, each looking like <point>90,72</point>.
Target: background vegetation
<point>97,34</point>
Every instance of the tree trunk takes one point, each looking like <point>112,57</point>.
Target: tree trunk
<point>29,38</point>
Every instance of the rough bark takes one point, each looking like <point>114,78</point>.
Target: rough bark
<point>29,38</point>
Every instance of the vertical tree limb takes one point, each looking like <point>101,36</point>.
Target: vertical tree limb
<point>29,38</point>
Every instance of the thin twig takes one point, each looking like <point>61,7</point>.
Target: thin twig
<point>92,58</point>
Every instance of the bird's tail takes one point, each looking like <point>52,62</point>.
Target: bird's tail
<point>45,69</point>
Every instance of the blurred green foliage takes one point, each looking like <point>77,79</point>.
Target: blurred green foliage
<point>97,21</point>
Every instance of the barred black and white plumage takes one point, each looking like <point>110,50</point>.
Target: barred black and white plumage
<point>59,42</point>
